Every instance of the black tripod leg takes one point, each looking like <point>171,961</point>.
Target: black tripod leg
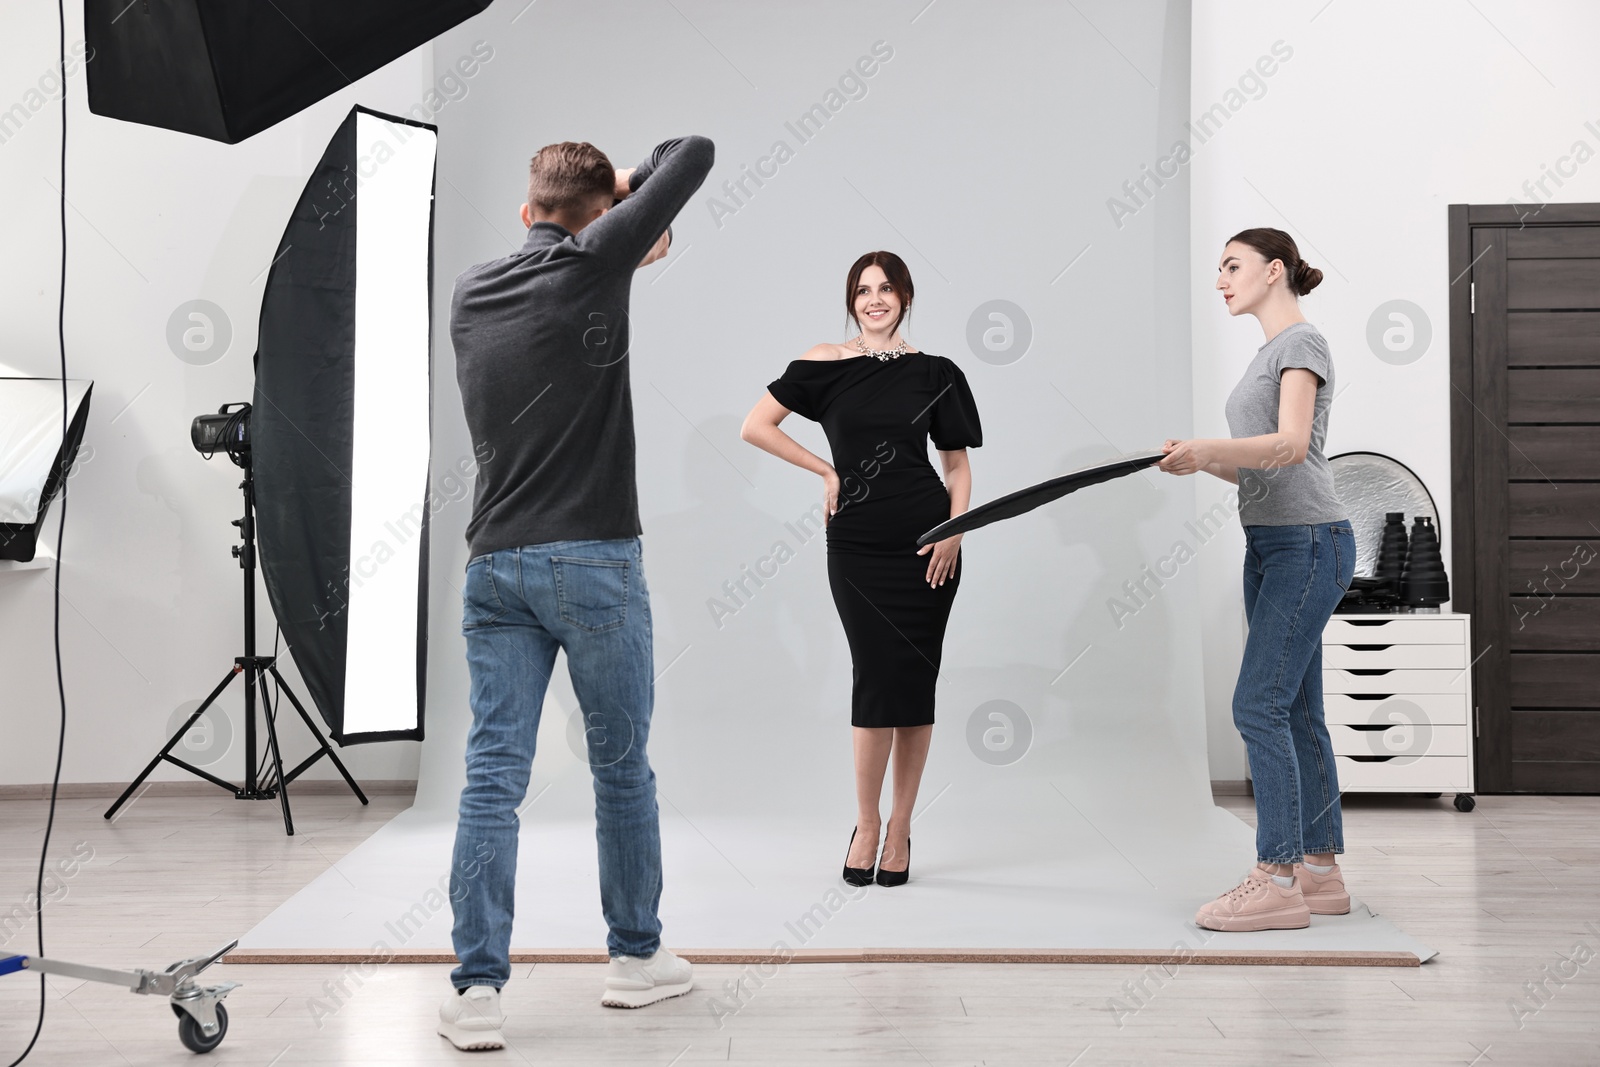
<point>173,740</point>
<point>277,765</point>
<point>323,741</point>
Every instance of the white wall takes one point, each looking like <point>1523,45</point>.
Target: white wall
<point>151,599</point>
<point>1384,114</point>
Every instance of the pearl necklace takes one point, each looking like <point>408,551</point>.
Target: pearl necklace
<point>883,355</point>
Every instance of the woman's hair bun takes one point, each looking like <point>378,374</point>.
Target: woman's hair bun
<point>1275,244</point>
<point>1306,278</point>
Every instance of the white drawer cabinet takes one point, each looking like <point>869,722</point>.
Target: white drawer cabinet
<point>1402,739</point>
<point>1413,657</point>
<point>1355,708</point>
<point>1393,681</point>
<point>1398,694</point>
<point>1429,774</point>
<point>1396,630</point>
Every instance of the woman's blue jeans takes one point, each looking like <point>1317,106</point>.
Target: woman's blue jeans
<point>521,605</point>
<point>1294,576</point>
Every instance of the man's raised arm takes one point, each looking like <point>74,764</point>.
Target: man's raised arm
<point>657,190</point>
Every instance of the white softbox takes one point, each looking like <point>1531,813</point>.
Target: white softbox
<point>341,427</point>
<point>36,452</point>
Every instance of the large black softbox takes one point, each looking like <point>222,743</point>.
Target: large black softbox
<point>228,69</point>
<point>340,427</point>
<point>35,455</point>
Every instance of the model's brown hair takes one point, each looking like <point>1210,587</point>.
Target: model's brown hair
<point>570,178</point>
<point>1275,244</point>
<point>894,268</point>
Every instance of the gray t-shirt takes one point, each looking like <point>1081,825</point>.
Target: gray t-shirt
<point>1303,493</point>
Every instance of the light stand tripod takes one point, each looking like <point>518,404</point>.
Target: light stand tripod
<point>255,669</point>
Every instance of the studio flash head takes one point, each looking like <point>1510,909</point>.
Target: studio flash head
<point>226,431</point>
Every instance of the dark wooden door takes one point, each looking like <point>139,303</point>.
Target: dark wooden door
<point>1525,367</point>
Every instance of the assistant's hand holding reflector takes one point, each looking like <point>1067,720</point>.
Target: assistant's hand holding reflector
<point>1025,500</point>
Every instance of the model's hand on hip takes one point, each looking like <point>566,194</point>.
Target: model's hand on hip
<point>942,562</point>
<point>830,495</point>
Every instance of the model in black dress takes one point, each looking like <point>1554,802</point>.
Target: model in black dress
<point>879,407</point>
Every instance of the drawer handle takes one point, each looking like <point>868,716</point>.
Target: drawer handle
<point>1368,696</point>
<point>1369,671</point>
<point>1370,759</point>
<point>1367,622</point>
<point>1378,726</point>
<point>1369,648</point>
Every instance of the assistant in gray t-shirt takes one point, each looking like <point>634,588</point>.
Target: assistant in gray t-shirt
<point>1303,493</point>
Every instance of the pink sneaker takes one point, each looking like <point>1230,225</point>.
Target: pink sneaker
<point>1324,894</point>
<point>1257,903</point>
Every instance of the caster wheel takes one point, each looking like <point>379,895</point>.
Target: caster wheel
<point>1430,796</point>
<point>1465,802</point>
<point>194,1039</point>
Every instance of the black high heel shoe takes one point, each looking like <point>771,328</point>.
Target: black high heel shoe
<point>855,875</point>
<point>896,877</point>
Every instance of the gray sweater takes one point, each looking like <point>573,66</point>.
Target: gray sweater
<point>541,342</point>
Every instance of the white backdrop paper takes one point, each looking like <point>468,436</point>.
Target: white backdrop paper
<point>983,148</point>
<point>983,151</point>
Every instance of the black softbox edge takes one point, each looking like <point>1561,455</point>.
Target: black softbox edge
<point>286,582</point>
<point>203,67</point>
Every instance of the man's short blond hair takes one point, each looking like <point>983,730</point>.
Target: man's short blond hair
<point>570,178</point>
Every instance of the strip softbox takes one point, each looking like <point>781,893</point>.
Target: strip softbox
<point>228,69</point>
<point>35,455</point>
<point>341,429</point>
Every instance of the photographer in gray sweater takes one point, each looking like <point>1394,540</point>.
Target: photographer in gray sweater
<point>541,340</point>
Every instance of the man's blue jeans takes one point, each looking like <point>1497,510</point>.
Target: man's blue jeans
<point>1294,576</point>
<point>589,599</point>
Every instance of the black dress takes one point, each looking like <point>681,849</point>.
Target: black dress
<point>879,416</point>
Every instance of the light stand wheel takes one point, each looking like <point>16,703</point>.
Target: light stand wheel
<point>194,1039</point>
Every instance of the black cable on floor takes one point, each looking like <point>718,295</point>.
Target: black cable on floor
<point>61,527</point>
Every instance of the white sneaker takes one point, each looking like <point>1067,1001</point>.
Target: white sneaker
<point>634,981</point>
<point>472,1020</point>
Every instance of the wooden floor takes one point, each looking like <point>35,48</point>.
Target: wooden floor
<point>1509,894</point>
